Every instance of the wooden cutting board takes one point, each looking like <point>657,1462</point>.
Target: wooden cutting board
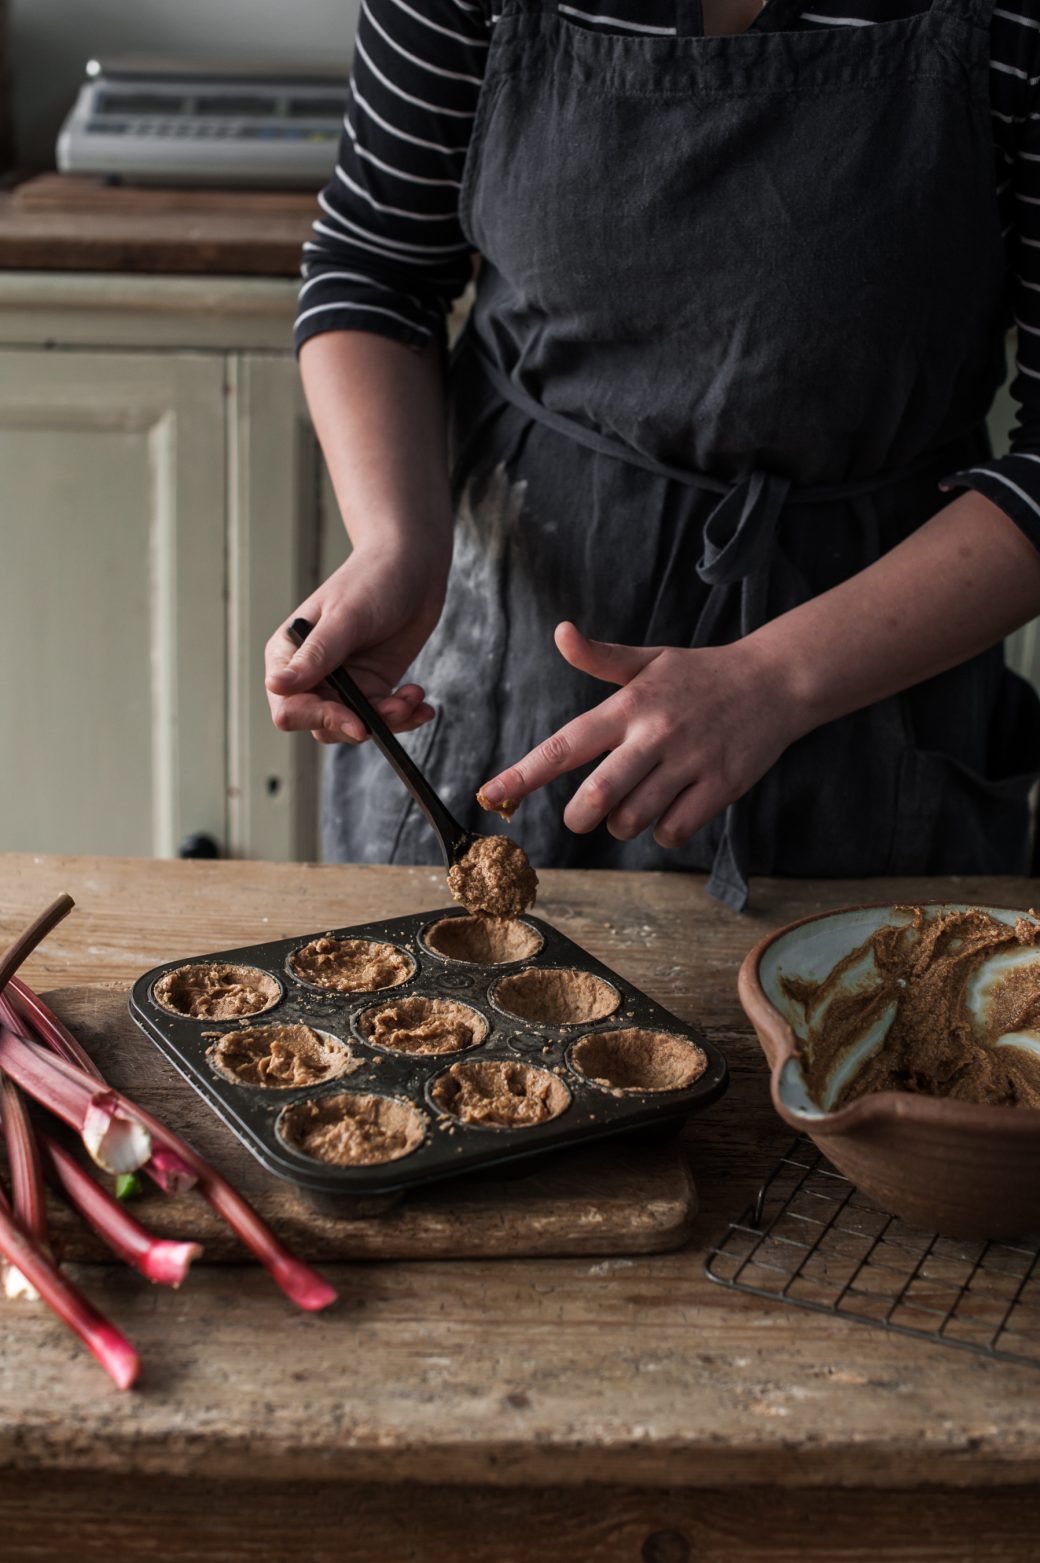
<point>614,1198</point>
<point>70,223</point>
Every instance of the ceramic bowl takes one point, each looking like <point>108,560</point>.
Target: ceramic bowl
<point>954,1168</point>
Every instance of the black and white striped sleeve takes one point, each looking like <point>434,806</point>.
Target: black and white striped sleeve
<point>388,254</point>
<point>1013,481</point>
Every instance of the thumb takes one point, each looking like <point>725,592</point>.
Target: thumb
<point>602,659</point>
<point>305,668</point>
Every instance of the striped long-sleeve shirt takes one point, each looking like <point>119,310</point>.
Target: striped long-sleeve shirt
<point>388,254</point>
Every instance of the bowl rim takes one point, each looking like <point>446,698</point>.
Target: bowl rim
<point>777,1041</point>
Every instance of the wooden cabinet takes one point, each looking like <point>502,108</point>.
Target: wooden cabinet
<point>1023,648</point>
<point>162,507</point>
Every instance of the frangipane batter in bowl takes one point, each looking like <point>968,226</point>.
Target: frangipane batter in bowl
<point>958,996</point>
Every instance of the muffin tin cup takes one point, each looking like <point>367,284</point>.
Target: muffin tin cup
<point>564,1027</point>
<point>468,1050</point>
<point>265,1090</point>
<point>290,976</point>
<point>610,1087</point>
<point>448,1120</point>
<point>504,967</point>
<point>450,1147</point>
<point>253,1018</point>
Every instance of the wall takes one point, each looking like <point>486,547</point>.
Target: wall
<point>51,40</point>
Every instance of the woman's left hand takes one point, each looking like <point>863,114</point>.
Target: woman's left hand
<point>686,734</point>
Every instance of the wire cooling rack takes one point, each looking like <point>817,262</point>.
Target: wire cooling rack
<point>811,1239</point>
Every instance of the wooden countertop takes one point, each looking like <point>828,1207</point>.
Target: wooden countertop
<point>636,1375</point>
<point>60,222</point>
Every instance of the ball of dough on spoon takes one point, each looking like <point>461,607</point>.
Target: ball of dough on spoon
<point>494,877</point>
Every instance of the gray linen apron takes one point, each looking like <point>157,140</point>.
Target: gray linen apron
<point>741,309</point>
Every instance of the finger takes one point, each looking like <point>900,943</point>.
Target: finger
<point>688,813</point>
<point>647,802</point>
<point>413,693</point>
<point>397,714</point>
<point>394,710</point>
<point>603,659</point>
<point>278,653</point>
<point>404,699</point>
<point>418,717</point>
<point>306,665</point>
<point>577,743</point>
<point>309,713</point>
<point>609,783</point>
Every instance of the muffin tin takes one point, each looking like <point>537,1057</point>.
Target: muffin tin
<point>449,1147</point>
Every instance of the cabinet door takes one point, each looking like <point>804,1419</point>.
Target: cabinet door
<point>1023,648</point>
<point>285,535</point>
<point>112,584</point>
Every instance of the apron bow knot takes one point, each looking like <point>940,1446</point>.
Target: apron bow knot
<point>739,539</point>
<point>740,531</point>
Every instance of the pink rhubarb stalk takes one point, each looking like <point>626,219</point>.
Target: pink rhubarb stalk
<point>102,1339</point>
<point>113,1134</point>
<point>20,1006</point>
<point>66,1091</point>
<point>38,929</point>
<point>27,1015</point>
<point>159,1259</point>
<point>27,1194</point>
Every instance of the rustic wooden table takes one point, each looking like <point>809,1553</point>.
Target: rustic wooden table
<point>621,1411</point>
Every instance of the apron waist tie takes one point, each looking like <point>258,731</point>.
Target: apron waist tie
<point>739,543</point>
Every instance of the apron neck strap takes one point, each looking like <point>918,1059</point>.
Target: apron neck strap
<point>689,17</point>
<point>776,14</point>
<point>978,11</point>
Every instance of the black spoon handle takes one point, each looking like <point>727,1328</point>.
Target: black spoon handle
<point>453,838</point>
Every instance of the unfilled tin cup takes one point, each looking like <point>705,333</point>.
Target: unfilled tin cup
<point>486,932</point>
<point>633,1063</point>
<point>601,998</point>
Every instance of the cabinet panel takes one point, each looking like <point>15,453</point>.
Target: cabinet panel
<point>111,601</point>
<point>1023,648</point>
<point>285,535</point>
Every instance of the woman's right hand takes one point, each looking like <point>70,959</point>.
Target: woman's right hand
<point>373,615</point>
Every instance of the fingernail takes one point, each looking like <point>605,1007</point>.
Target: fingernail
<point>494,792</point>
<point>346,730</point>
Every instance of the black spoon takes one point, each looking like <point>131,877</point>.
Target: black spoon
<point>454,840</point>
